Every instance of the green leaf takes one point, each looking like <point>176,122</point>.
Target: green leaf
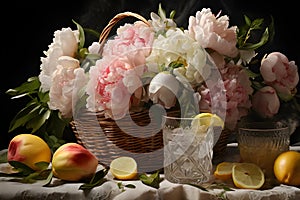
<point>3,156</point>
<point>42,165</point>
<point>263,40</point>
<point>172,14</point>
<point>56,124</point>
<point>81,35</point>
<point>130,186</point>
<point>36,122</point>
<point>48,179</point>
<point>96,180</point>
<point>31,86</point>
<point>92,32</point>
<point>21,167</point>
<point>32,111</point>
<point>161,12</point>
<point>199,187</point>
<point>16,174</point>
<point>37,175</point>
<point>152,180</point>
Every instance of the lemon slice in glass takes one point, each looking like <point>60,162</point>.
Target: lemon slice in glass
<point>124,168</point>
<point>203,121</point>
<point>247,176</point>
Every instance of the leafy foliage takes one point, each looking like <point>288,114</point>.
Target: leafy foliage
<point>28,175</point>
<point>151,180</point>
<point>36,116</point>
<point>96,180</point>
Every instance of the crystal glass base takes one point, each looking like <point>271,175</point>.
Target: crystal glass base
<point>187,155</point>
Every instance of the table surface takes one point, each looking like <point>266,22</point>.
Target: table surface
<point>10,188</point>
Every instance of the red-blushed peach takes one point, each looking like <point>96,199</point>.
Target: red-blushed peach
<point>28,149</point>
<point>73,162</point>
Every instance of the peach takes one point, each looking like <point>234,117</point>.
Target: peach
<point>73,162</point>
<point>28,149</point>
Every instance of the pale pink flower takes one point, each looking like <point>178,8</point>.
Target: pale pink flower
<point>115,81</point>
<point>94,48</point>
<point>131,39</point>
<point>65,43</point>
<point>63,87</point>
<point>214,32</point>
<point>111,84</point>
<point>238,90</point>
<point>280,73</point>
<point>266,102</point>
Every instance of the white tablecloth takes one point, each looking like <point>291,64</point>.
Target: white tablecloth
<point>12,189</point>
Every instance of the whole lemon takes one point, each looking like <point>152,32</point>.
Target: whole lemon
<point>287,168</point>
<point>28,149</point>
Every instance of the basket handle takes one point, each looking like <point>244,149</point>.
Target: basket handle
<point>105,32</point>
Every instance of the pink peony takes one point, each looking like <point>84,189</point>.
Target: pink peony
<point>238,90</point>
<point>115,81</point>
<point>132,39</point>
<point>213,32</point>
<point>111,85</point>
<point>266,102</point>
<point>280,73</point>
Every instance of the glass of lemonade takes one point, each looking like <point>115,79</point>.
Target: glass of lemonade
<point>188,150</point>
<point>261,143</point>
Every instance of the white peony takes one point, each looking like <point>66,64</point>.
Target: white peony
<point>65,77</point>
<point>65,43</point>
<point>177,45</point>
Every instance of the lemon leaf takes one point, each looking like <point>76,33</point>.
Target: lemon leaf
<point>96,180</point>
<point>198,186</point>
<point>152,180</point>
<point>42,165</point>
<point>49,179</point>
<point>21,167</point>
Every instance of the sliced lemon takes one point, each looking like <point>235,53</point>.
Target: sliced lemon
<point>247,176</point>
<point>124,168</point>
<point>203,121</point>
<point>224,170</point>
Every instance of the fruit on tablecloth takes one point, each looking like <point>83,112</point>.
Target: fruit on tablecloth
<point>287,168</point>
<point>247,176</point>
<point>73,162</point>
<point>28,149</point>
<point>224,170</point>
<point>124,168</point>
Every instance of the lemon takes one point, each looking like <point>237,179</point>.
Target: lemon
<point>124,168</point>
<point>287,168</point>
<point>247,176</point>
<point>28,149</point>
<point>224,170</point>
<point>203,121</point>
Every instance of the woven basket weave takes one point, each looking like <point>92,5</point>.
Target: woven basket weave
<point>138,135</point>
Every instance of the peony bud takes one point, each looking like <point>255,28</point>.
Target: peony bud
<point>266,102</point>
<point>73,162</point>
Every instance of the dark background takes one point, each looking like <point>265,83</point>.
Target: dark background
<point>27,30</point>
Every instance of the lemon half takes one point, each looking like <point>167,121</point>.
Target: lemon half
<point>124,168</point>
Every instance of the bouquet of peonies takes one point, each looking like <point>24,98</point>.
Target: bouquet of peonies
<point>208,66</point>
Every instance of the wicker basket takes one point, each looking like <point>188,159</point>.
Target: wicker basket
<point>138,134</point>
